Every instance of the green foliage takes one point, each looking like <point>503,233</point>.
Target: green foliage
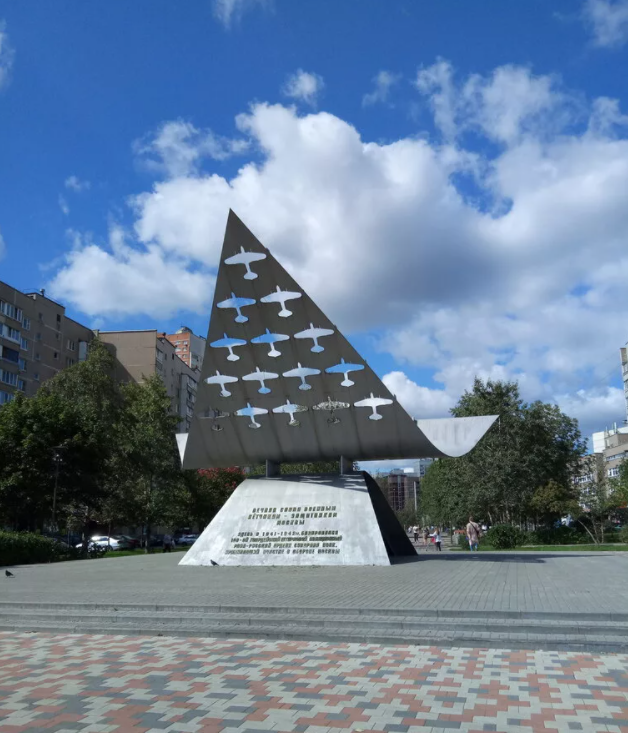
<point>623,534</point>
<point>557,536</point>
<point>504,537</point>
<point>408,517</point>
<point>318,467</point>
<point>208,490</point>
<point>532,446</point>
<point>21,548</point>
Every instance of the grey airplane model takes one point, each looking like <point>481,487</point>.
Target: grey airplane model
<point>290,409</point>
<point>228,343</point>
<point>373,403</point>
<point>281,296</point>
<point>270,338</point>
<point>245,258</point>
<point>238,304</point>
<point>251,412</point>
<point>302,372</point>
<point>314,334</point>
<point>344,368</point>
<point>260,377</point>
<point>221,379</point>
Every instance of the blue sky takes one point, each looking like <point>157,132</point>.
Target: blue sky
<point>447,179</point>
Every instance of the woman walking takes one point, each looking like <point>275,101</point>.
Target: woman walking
<point>437,538</point>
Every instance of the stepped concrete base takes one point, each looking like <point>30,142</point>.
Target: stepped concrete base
<point>298,520</point>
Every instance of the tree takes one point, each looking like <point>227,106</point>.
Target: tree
<point>553,500</point>
<point>207,491</point>
<point>530,445</point>
<point>146,466</point>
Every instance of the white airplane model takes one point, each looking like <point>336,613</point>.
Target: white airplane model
<point>373,403</point>
<point>302,373</point>
<point>289,409</point>
<point>344,368</point>
<point>314,334</point>
<point>238,304</point>
<point>281,296</point>
<point>251,412</point>
<point>245,258</point>
<point>221,379</point>
<point>228,343</point>
<point>270,338</point>
<point>261,377</point>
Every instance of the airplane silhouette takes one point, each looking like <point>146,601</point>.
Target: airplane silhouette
<point>251,412</point>
<point>314,334</point>
<point>270,338</point>
<point>212,413</point>
<point>344,368</point>
<point>261,377</point>
<point>245,258</point>
<point>289,409</point>
<point>281,296</point>
<point>221,379</point>
<point>374,403</point>
<point>228,343</point>
<point>331,406</point>
<point>238,304</point>
<point>302,373</point>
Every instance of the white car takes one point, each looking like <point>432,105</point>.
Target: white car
<point>187,540</point>
<point>105,542</point>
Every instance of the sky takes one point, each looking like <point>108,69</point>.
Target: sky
<point>448,180</point>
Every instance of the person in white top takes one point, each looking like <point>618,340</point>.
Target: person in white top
<point>437,538</point>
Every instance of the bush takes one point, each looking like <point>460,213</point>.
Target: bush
<point>623,535</point>
<point>504,537</point>
<point>22,548</point>
<point>557,536</point>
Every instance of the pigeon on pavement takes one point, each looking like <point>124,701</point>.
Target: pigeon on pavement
<point>8,574</point>
<point>213,563</point>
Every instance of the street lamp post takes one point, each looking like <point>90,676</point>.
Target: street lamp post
<point>57,461</point>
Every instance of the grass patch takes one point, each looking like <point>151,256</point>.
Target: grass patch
<point>553,548</point>
<point>140,551</point>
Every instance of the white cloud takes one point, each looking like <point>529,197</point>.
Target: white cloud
<point>608,21</point>
<point>304,86</point>
<point>7,55</point>
<point>177,148</point>
<point>383,82</point>
<point>74,183</point>
<point>231,11</point>
<point>63,205</point>
<point>520,275</point>
<point>120,280</point>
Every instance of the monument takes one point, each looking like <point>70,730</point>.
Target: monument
<point>280,384</point>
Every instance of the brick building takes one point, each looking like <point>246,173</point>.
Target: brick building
<point>189,347</point>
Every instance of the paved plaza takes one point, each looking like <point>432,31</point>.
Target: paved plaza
<point>117,684</point>
<point>535,582</point>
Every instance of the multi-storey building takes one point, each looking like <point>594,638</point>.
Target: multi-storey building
<point>189,347</point>
<point>140,354</point>
<point>403,489</point>
<point>37,340</point>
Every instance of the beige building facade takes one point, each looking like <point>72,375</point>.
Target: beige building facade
<point>141,354</point>
<point>37,340</point>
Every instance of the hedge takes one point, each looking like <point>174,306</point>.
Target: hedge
<point>22,548</point>
<point>504,537</point>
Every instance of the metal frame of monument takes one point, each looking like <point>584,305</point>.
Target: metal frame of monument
<point>281,384</point>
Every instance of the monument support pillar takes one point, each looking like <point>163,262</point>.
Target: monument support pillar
<point>273,468</point>
<point>346,465</point>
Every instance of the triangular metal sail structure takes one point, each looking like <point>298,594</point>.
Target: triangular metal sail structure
<point>280,383</point>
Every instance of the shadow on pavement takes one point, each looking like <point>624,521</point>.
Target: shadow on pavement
<point>523,557</point>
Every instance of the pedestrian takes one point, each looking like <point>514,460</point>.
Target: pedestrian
<point>426,536</point>
<point>473,534</point>
<point>437,538</point>
<point>167,543</point>
<point>416,535</point>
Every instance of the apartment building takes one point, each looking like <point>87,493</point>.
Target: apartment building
<point>37,340</point>
<point>141,354</point>
<point>403,488</point>
<point>189,347</point>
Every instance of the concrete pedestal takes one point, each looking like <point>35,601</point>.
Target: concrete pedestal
<point>301,520</point>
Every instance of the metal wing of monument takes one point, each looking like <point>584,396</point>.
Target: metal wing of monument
<point>313,354</point>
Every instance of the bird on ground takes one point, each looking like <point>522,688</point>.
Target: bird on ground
<point>8,574</point>
<point>213,563</point>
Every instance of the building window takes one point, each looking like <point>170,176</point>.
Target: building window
<point>21,385</point>
<point>36,376</point>
<point>24,343</point>
<point>10,333</point>
<point>57,335</point>
<point>5,397</point>
<point>8,378</point>
<point>612,472</point>
<point>160,356</point>
<point>69,361</point>
<point>26,324</point>
<point>40,317</point>
<point>37,357</point>
<point>9,354</point>
<point>10,310</point>
<point>37,337</point>
<point>55,354</point>
<point>58,320</point>
<point>71,345</point>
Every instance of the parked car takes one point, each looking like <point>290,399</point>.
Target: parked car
<point>130,542</point>
<point>110,543</point>
<point>187,540</point>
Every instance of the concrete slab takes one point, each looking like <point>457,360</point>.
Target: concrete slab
<point>293,520</point>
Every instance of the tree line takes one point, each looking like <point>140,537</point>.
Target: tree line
<point>524,471</point>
